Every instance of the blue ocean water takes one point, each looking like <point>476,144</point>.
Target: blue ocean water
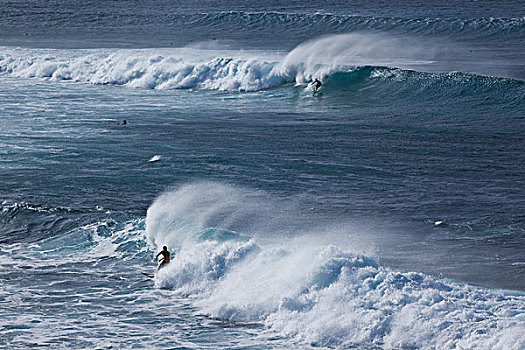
<point>385,210</point>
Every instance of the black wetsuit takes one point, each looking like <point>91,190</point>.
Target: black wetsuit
<point>317,84</point>
<point>165,258</point>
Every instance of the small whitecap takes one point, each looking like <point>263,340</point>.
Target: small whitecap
<point>155,158</point>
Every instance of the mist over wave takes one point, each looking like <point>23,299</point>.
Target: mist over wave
<point>312,288</point>
<point>324,56</point>
<point>381,212</point>
<point>197,68</point>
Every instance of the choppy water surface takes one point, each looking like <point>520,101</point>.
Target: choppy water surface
<point>384,211</point>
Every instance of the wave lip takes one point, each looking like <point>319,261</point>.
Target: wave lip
<point>316,292</point>
<point>199,69</point>
<point>191,68</point>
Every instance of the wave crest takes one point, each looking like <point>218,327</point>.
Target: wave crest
<point>317,292</point>
<point>142,69</point>
<point>335,58</point>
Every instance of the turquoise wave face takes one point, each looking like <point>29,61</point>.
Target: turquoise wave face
<point>299,288</point>
<point>384,210</point>
<point>348,62</point>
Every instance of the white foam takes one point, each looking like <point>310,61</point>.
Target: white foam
<point>216,67</point>
<point>143,68</point>
<point>155,158</point>
<point>314,291</point>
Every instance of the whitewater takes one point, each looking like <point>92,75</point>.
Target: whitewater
<point>384,211</point>
<point>322,290</point>
<point>314,291</point>
<point>205,66</point>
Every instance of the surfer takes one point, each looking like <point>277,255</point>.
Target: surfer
<point>165,257</point>
<point>317,84</point>
<point>124,122</point>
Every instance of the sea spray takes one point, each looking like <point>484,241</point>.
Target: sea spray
<point>188,212</point>
<point>321,206</point>
<point>318,293</point>
<point>321,57</point>
<point>231,70</point>
<point>187,69</point>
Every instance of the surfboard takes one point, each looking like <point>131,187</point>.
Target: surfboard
<point>149,274</point>
<point>317,93</point>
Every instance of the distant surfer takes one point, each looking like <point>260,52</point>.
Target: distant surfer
<point>165,260</point>
<point>124,122</point>
<point>317,84</point>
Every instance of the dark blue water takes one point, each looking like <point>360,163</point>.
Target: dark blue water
<point>384,210</point>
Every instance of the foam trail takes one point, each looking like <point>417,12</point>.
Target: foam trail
<point>314,291</point>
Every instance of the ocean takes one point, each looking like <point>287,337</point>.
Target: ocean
<point>384,211</point>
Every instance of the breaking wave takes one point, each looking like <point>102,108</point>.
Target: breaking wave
<point>240,256</point>
<point>314,291</point>
<point>141,69</point>
<point>225,74</point>
<point>344,59</point>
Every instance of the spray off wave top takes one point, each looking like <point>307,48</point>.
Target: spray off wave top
<point>195,68</point>
<point>322,293</point>
<point>236,256</point>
